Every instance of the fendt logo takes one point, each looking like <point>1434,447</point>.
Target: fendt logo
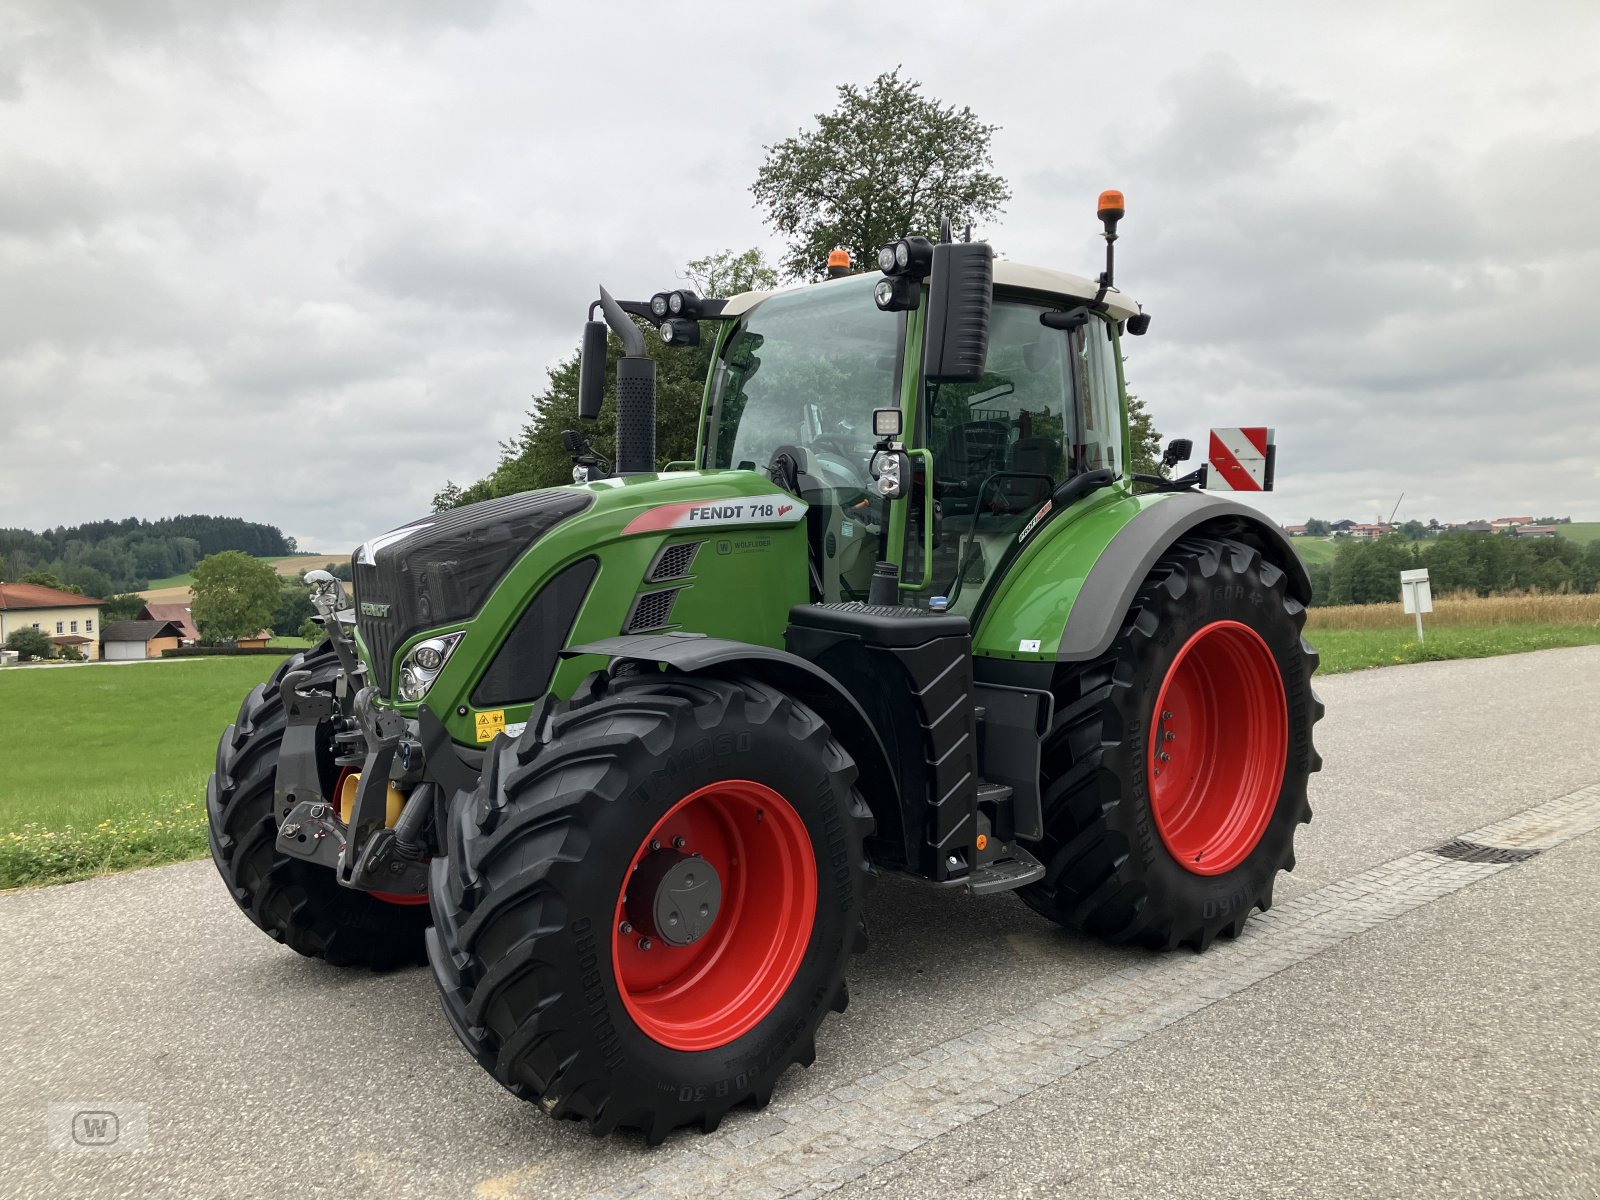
<point>95,1128</point>
<point>369,609</point>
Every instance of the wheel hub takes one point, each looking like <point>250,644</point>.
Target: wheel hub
<point>674,896</point>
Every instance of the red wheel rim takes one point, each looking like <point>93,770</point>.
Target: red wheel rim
<point>1219,741</point>
<point>714,990</point>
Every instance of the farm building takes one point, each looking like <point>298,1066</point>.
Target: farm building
<point>260,642</point>
<point>67,618</point>
<point>126,640</point>
<point>178,614</point>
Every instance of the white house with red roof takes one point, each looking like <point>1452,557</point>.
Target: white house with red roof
<point>66,618</point>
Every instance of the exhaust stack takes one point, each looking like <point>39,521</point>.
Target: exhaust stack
<point>636,393</point>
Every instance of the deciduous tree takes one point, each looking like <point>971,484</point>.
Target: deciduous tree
<point>235,596</point>
<point>886,162</point>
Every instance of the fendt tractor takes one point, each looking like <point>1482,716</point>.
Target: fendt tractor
<point>620,759</point>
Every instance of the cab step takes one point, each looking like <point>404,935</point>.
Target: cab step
<point>1017,869</point>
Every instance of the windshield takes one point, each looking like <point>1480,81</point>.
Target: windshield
<point>805,370</point>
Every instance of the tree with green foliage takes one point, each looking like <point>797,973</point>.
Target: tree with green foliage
<point>49,579</point>
<point>294,607</point>
<point>30,643</point>
<point>535,458</point>
<point>124,606</point>
<point>235,596</point>
<point>888,161</point>
<point>1144,439</point>
<point>1317,527</point>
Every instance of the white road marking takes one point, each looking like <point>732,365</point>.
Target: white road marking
<point>810,1147</point>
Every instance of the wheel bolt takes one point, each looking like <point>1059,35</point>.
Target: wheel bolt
<point>644,943</point>
<point>1165,756</point>
<point>677,843</point>
<point>625,927</point>
<point>655,844</point>
<point>1170,735</point>
<point>1166,716</point>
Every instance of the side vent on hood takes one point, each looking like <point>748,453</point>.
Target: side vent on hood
<point>651,610</point>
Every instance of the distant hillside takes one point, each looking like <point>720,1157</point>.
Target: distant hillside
<point>1582,532</point>
<point>104,557</point>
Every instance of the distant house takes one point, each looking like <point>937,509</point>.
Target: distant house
<point>1295,530</point>
<point>260,642</point>
<point>125,641</point>
<point>178,614</point>
<point>1535,531</point>
<point>1342,528</point>
<point>1370,531</point>
<point>67,618</point>
<point>1503,523</point>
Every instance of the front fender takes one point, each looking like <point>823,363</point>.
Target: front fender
<point>695,654</point>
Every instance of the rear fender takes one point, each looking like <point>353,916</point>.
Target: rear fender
<point>1065,599</point>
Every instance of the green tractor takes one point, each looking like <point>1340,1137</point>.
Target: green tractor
<point>620,759</point>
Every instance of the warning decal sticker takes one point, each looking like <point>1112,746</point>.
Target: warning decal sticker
<point>491,723</point>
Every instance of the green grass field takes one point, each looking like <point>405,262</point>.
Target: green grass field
<point>1355,649</point>
<point>105,766</point>
<point>1315,550</point>
<point>1582,532</point>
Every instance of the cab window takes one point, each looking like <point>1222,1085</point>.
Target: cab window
<point>1100,442</point>
<point>1000,446</point>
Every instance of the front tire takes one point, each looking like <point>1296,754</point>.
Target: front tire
<point>584,955</point>
<point>295,902</point>
<point>1175,771</point>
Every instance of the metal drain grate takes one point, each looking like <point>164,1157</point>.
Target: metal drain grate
<point>673,562</point>
<point>1477,852</point>
<point>651,610</point>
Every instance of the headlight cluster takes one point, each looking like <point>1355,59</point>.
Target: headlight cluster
<point>681,303</point>
<point>911,256</point>
<point>422,665</point>
<point>675,313</point>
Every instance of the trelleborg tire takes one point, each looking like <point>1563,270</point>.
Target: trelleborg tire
<point>294,902</point>
<point>652,1005</point>
<point>1175,770</point>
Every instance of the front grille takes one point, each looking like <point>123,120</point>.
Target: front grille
<point>673,562</point>
<point>651,610</point>
<point>441,569</point>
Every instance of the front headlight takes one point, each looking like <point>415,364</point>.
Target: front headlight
<point>421,666</point>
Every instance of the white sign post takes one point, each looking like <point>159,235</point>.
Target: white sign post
<point>1416,595</point>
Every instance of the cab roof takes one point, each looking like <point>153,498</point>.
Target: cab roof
<point>1007,274</point>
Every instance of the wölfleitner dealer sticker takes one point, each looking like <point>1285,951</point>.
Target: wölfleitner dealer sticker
<point>779,509</point>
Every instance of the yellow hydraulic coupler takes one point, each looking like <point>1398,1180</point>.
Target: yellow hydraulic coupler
<point>347,800</point>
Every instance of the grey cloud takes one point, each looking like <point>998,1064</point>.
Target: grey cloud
<point>1221,125</point>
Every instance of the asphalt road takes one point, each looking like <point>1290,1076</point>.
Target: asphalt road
<point>1401,1024</point>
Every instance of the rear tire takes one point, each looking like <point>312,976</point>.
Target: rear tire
<point>539,977</point>
<point>295,902</point>
<point>1212,640</point>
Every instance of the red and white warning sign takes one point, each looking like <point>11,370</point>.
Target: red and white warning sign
<point>1241,459</point>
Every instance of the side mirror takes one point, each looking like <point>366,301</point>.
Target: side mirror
<point>592,370</point>
<point>1178,450</point>
<point>960,302</point>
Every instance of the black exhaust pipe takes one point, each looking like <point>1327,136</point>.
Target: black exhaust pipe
<point>636,393</point>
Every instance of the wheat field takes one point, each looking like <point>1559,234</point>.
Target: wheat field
<point>1464,608</point>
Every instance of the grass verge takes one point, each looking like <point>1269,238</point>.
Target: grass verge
<point>1356,649</point>
<point>105,766</point>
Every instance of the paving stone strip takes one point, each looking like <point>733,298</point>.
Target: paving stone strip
<point>810,1147</point>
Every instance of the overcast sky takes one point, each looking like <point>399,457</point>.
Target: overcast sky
<point>303,262</point>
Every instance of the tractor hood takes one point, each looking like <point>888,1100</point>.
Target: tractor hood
<point>441,569</point>
<point>495,571</point>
